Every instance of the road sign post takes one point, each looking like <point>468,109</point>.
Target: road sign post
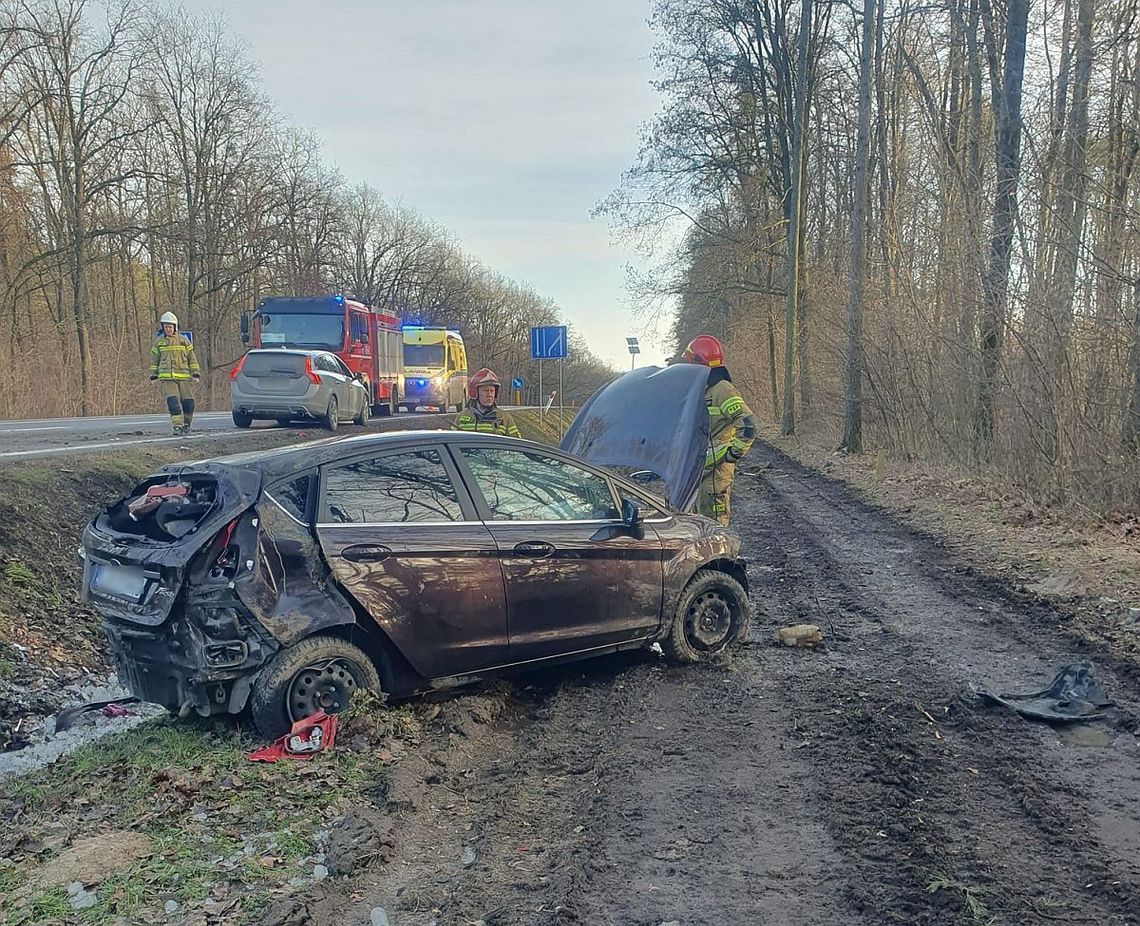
<point>549,343</point>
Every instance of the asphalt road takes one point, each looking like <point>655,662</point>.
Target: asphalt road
<point>48,437</point>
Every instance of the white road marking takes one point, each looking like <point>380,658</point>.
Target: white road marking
<point>51,427</point>
<point>13,454</point>
<point>215,434</point>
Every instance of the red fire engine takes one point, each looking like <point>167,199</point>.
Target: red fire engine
<point>368,340</point>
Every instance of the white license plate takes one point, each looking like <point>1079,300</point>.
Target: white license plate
<point>119,581</point>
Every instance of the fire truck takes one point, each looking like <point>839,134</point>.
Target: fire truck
<point>367,339</point>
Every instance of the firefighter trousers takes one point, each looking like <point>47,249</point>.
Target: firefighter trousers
<point>179,398</point>
<point>715,491</point>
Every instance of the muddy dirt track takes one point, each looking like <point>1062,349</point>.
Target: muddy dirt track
<point>858,784</point>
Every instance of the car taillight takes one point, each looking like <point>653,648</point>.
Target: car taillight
<point>313,378</point>
<point>226,559</point>
<point>237,367</point>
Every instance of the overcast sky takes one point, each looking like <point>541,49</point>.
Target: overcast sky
<point>505,121</point>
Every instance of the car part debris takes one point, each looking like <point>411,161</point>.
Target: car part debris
<point>802,635</point>
<point>65,720</point>
<point>310,735</point>
<point>1074,695</point>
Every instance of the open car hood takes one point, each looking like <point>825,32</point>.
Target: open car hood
<point>653,419</point>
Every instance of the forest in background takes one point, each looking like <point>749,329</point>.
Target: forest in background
<point>142,169</point>
<point>916,225</point>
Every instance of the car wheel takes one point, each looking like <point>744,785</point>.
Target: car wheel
<point>712,615</point>
<point>332,416</point>
<point>242,420</point>
<point>361,418</point>
<point>320,673</point>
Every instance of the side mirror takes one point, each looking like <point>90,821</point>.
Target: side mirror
<point>632,519</point>
<point>244,322</point>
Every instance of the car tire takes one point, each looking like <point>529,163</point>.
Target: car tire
<point>712,615</point>
<point>319,672</point>
<point>332,416</point>
<point>242,420</point>
<point>361,418</point>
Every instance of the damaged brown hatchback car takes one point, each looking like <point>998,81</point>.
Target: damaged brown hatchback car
<point>284,579</point>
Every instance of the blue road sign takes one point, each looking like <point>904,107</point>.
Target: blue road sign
<point>517,383</point>
<point>548,343</point>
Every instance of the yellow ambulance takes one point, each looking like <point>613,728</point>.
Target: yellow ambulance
<point>435,369</point>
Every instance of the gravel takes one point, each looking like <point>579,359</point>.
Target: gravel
<point>47,746</point>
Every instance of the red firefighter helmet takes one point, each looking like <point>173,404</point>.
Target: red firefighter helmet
<point>704,349</point>
<point>484,377</point>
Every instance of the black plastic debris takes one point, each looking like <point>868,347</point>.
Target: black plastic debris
<point>1074,695</point>
<point>66,719</point>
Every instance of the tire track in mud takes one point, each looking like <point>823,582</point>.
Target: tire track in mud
<point>642,794</point>
<point>989,802</point>
<point>788,787</point>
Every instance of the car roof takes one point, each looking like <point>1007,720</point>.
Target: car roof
<point>287,350</point>
<point>277,462</point>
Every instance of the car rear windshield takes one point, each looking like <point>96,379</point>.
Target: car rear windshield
<point>270,363</point>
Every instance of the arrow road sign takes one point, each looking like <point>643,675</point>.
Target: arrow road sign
<point>517,383</point>
<point>548,343</point>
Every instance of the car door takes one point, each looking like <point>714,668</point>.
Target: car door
<point>576,577</point>
<point>355,394</point>
<point>332,374</point>
<point>402,536</point>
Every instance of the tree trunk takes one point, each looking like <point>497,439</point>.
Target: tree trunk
<point>795,196</point>
<point>1007,147</point>
<point>772,368</point>
<point>1068,232</point>
<point>1130,435</point>
<point>853,358</point>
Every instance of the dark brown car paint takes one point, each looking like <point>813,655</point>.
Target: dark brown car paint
<point>436,590</point>
<point>576,586</point>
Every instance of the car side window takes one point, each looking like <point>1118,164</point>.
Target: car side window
<point>521,485</point>
<point>649,510</point>
<point>340,367</point>
<point>293,495</point>
<point>395,488</point>
<point>326,363</point>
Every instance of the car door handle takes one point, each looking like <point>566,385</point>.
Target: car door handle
<point>365,553</point>
<point>534,548</point>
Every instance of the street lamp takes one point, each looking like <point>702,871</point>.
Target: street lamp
<point>634,350</point>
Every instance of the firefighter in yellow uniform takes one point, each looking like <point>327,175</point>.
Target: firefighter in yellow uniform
<point>482,412</point>
<point>174,366</point>
<point>731,429</point>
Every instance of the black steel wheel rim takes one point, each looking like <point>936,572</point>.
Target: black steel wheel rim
<point>327,687</point>
<point>710,620</point>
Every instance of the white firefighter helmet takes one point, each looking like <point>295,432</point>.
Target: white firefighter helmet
<point>169,318</point>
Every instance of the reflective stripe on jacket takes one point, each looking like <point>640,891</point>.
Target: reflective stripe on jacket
<point>486,420</point>
<point>731,430</point>
<point>173,358</point>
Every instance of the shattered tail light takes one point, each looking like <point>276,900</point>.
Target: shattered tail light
<point>225,564</point>
<point>237,367</point>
